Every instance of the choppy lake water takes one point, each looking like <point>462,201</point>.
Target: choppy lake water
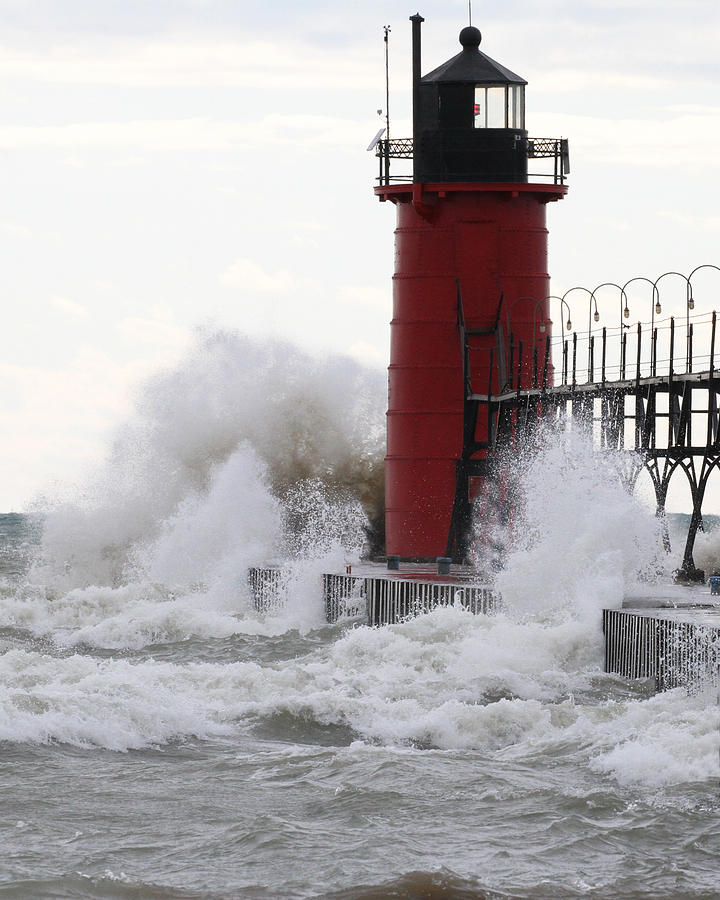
<point>162,739</point>
<point>157,745</point>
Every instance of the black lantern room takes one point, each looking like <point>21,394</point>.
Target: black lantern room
<point>469,119</point>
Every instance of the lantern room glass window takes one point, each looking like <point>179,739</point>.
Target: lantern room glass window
<point>516,106</point>
<point>499,106</point>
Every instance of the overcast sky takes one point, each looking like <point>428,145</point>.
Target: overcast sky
<point>173,163</point>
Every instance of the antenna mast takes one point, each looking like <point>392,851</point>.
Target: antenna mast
<point>469,12</point>
<point>387,30</point>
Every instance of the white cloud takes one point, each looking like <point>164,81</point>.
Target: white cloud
<point>256,148</point>
<point>249,276</point>
<point>127,162</point>
<point>71,307</point>
<point>306,225</point>
<point>183,63</point>
<point>693,109</point>
<point>672,141</point>
<point>59,419</point>
<point>367,354</point>
<point>305,233</point>
<point>692,223</point>
<point>566,81</point>
<point>305,240</point>
<point>176,135</point>
<point>13,229</point>
<point>160,333</point>
<point>367,295</point>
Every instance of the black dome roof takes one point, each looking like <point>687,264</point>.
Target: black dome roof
<point>472,65</point>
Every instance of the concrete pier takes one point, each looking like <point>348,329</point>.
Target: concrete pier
<point>674,643</point>
<point>671,637</point>
<point>372,593</point>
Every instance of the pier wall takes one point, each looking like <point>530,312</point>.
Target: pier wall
<point>377,598</point>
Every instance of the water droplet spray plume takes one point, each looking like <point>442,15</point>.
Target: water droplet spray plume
<point>244,451</point>
<point>561,534</point>
<point>247,452</point>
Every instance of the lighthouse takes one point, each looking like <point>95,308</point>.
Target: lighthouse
<point>470,271</point>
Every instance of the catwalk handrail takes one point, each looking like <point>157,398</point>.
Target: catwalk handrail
<point>537,148</point>
<point>650,390</point>
<point>613,355</point>
<point>567,391</point>
<point>650,347</point>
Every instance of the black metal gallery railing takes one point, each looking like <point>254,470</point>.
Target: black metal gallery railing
<point>555,149</point>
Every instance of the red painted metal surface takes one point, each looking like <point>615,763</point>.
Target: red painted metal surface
<point>493,237</point>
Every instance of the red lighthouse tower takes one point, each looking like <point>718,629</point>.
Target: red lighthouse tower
<point>471,238</point>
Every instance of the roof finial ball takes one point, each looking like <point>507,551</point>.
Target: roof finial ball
<point>470,37</point>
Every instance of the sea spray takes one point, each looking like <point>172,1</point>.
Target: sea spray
<point>230,404</point>
<point>518,689</point>
<point>522,692</point>
<point>215,534</point>
<point>706,552</point>
<point>324,529</point>
<point>574,539</point>
<point>526,695</point>
<point>244,453</point>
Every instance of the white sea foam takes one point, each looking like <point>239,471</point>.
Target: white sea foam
<point>578,539</point>
<point>707,550</point>
<point>672,738</point>
<point>213,443</point>
<point>215,475</point>
<point>447,680</point>
<point>245,453</point>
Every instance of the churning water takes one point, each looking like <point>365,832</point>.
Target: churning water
<point>161,739</point>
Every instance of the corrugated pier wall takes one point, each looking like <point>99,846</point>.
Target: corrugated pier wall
<point>378,597</point>
<point>676,648</point>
